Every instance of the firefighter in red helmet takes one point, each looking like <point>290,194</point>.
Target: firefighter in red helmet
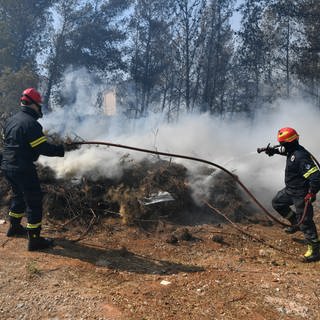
<point>302,182</point>
<point>24,142</point>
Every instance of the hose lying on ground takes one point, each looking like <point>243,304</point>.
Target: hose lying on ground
<point>248,192</point>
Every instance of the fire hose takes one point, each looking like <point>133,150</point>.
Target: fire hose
<point>237,180</point>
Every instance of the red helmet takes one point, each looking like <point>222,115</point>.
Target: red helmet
<point>287,135</point>
<point>31,95</point>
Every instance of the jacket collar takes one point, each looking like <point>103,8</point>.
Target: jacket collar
<point>30,112</point>
<point>292,147</point>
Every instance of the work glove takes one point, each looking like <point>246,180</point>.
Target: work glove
<point>310,197</point>
<point>270,151</point>
<point>69,145</point>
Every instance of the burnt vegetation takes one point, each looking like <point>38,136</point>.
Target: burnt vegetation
<point>84,200</point>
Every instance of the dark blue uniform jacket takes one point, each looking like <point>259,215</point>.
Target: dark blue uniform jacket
<point>301,174</point>
<point>24,141</point>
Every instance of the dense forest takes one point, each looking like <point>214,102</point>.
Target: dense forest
<point>169,56</point>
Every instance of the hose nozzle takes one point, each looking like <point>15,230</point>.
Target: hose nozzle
<point>268,147</point>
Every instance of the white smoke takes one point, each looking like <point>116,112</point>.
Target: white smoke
<point>231,144</point>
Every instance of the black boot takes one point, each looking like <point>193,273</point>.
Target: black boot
<point>313,252</point>
<point>16,229</point>
<point>291,230</point>
<point>36,242</point>
<point>293,220</point>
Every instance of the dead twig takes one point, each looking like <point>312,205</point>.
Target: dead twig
<point>236,299</point>
<point>260,240</point>
<point>5,242</point>
<point>94,217</point>
<point>69,221</point>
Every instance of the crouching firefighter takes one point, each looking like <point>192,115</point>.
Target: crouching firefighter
<point>302,182</point>
<point>24,142</point>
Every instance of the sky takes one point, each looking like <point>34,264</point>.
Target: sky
<point>236,18</point>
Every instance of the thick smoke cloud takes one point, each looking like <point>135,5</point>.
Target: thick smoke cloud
<point>230,143</point>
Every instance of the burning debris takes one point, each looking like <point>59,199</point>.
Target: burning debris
<point>148,190</point>
<point>143,181</point>
<point>226,196</point>
<point>137,196</point>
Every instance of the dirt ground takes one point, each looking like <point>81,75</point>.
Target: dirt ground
<point>207,271</point>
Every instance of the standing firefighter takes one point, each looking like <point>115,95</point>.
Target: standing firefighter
<point>24,142</point>
<point>302,180</point>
